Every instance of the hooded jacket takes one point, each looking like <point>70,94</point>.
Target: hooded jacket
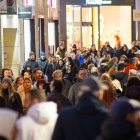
<point>118,130</point>
<point>39,122</point>
<point>81,122</point>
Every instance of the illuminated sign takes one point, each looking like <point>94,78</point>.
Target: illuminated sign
<point>98,2</point>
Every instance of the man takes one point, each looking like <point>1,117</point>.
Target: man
<point>56,95</point>
<point>121,122</point>
<point>42,62</point>
<point>30,62</point>
<point>58,75</point>
<point>37,75</point>
<point>133,65</point>
<point>73,92</point>
<point>40,119</point>
<point>121,75</point>
<point>83,121</point>
<point>61,51</point>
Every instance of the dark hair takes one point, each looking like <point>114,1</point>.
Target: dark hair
<point>121,66</point>
<point>58,86</point>
<point>36,69</point>
<point>133,81</point>
<point>133,92</point>
<point>138,66</point>
<point>37,94</point>
<point>17,79</point>
<point>2,102</point>
<point>15,103</point>
<point>3,70</point>
<point>82,69</point>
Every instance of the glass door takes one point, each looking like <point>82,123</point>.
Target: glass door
<point>87,34</point>
<point>73,21</point>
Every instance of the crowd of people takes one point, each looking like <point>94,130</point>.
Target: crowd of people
<point>83,94</point>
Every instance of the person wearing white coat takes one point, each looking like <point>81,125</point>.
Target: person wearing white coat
<point>39,122</point>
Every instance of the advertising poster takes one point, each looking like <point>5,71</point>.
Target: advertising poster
<point>8,7</point>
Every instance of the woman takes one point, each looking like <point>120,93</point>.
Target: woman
<point>108,95</point>
<point>18,82</point>
<point>6,90</point>
<point>60,64</point>
<point>24,92</point>
<point>56,95</point>
<point>70,70</point>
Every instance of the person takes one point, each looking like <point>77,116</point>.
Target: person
<point>93,50</point>
<point>56,95</point>
<point>61,51</point>
<point>58,75</point>
<point>70,70</point>
<point>37,75</point>
<point>37,96</point>
<point>108,94</point>
<point>83,121</point>
<point>121,122</point>
<point>24,93</point>
<point>5,73</point>
<point>133,92</point>
<point>6,90</point>
<point>60,64</point>
<point>40,121</point>
<point>73,92</point>
<point>18,82</point>
<point>7,122</point>
<point>30,62</point>
<point>75,60</point>
<point>121,75</point>
<point>133,65</point>
<point>42,62</point>
<point>87,61</point>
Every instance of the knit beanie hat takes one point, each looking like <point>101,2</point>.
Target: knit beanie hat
<point>8,80</point>
<point>31,53</point>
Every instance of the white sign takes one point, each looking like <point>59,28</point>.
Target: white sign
<point>98,2</point>
<point>136,15</point>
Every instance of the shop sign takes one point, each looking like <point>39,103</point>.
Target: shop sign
<point>28,2</point>
<point>25,12</point>
<point>8,7</point>
<point>98,2</point>
<point>136,15</point>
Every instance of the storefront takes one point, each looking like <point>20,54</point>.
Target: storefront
<point>85,22</point>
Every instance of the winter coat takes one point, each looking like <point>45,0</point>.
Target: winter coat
<point>61,101</point>
<point>121,76</point>
<point>66,87</point>
<point>40,121</point>
<point>131,66</point>
<point>118,130</point>
<point>32,63</point>
<point>73,92</point>
<point>81,122</point>
<point>42,64</point>
<point>61,53</point>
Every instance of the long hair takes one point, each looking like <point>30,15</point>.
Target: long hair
<point>108,95</point>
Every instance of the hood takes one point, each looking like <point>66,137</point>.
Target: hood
<point>117,130</point>
<point>89,104</point>
<point>43,113</point>
<point>7,122</point>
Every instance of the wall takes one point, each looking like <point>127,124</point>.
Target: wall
<point>12,56</point>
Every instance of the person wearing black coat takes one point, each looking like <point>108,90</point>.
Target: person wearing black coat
<point>121,122</point>
<point>56,96</point>
<point>82,121</point>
